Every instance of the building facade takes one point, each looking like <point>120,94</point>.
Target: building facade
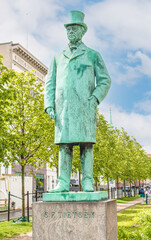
<point>21,60</point>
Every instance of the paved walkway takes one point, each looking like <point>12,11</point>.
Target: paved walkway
<point>120,207</point>
<point>123,206</point>
<point>27,236</point>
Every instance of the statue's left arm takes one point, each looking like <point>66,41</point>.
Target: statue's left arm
<point>103,81</point>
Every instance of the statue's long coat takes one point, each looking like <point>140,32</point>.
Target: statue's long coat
<point>70,82</point>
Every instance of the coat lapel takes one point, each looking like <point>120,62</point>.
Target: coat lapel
<point>80,50</point>
<point>67,52</point>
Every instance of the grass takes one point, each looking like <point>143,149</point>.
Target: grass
<point>10,229</point>
<point>126,222</point>
<point>127,199</point>
<point>3,208</point>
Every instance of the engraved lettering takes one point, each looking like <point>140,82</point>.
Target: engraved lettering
<point>60,214</point>
<point>45,214</point>
<point>74,214</point>
<point>91,214</point>
<point>52,214</point>
<point>79,214</point>
<point>68,215</point>
<point>85,214</point>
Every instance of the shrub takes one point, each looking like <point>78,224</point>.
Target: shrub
<point>143,217</point>
<point>143,221</point>
<point>123,234</point>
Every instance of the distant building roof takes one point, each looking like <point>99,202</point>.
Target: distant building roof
<point>20,59</point>
<point>19,49</point>
<point>24,52</point>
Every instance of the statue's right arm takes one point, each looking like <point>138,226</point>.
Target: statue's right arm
<point>50,87</point>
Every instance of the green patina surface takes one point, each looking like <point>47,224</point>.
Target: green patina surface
<point>75,196</point>
<point>77,82</point>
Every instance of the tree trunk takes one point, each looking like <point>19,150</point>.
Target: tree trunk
<point>23,191</point>
<point>124,188</point>
<point>135,188</point>
<point>57,172</point>
<point>130,190</point>
<point>117,188</point>
<point>108,188</point>
<point>96,185</point>
<point>139,185</point>
<point>80,181</point>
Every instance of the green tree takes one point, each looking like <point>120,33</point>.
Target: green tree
<point>54,161</point>
<point>104,151</point>
<point>30,132</point>
<point>131,156</point>
<point>117,157</point>
<point>99,148</point>
<point>125,154</point>
<point>5,76</point>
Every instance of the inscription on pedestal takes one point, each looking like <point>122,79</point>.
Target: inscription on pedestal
<point>73,214</point>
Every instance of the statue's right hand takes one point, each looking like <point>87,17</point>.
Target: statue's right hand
<point>51,113</point>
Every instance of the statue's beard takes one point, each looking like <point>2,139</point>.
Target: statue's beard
<point>73,38</point>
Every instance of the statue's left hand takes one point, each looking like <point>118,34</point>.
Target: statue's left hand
<point>93,100</point>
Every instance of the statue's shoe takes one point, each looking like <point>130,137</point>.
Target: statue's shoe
<point>87,187</point>
<point>59,188</point>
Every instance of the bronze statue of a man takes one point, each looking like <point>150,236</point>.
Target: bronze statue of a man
<point>77,82</point>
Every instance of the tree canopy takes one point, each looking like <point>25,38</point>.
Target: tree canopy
<point>27,133</point>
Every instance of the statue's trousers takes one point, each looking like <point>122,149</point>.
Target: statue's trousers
<point>65,164</point>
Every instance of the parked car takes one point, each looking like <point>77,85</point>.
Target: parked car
<point>74,186</point>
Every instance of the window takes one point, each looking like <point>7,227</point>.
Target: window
<point>6,170</point>
<point>48,182</point>
<point>40,182</point>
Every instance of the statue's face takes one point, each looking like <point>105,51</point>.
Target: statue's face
<point>75,33</point>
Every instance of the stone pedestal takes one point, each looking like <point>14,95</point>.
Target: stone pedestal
<point>75,220</point>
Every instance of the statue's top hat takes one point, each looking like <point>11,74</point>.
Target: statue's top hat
<point>76,17</point>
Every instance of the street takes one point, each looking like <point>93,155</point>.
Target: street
<point>13,214</point>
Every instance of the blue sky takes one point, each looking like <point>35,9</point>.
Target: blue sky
<point>119,29</point>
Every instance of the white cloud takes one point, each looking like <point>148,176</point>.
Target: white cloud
<point>145,66</point>
<point>144,106</point>
<point>136,125</point>
<point>127,23</point>
<point>124,74</point>
<point>111,25</point>
<point>35,17</point>
<point>130,74</point>
<point>119,26</point>
<point>93,41</point>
